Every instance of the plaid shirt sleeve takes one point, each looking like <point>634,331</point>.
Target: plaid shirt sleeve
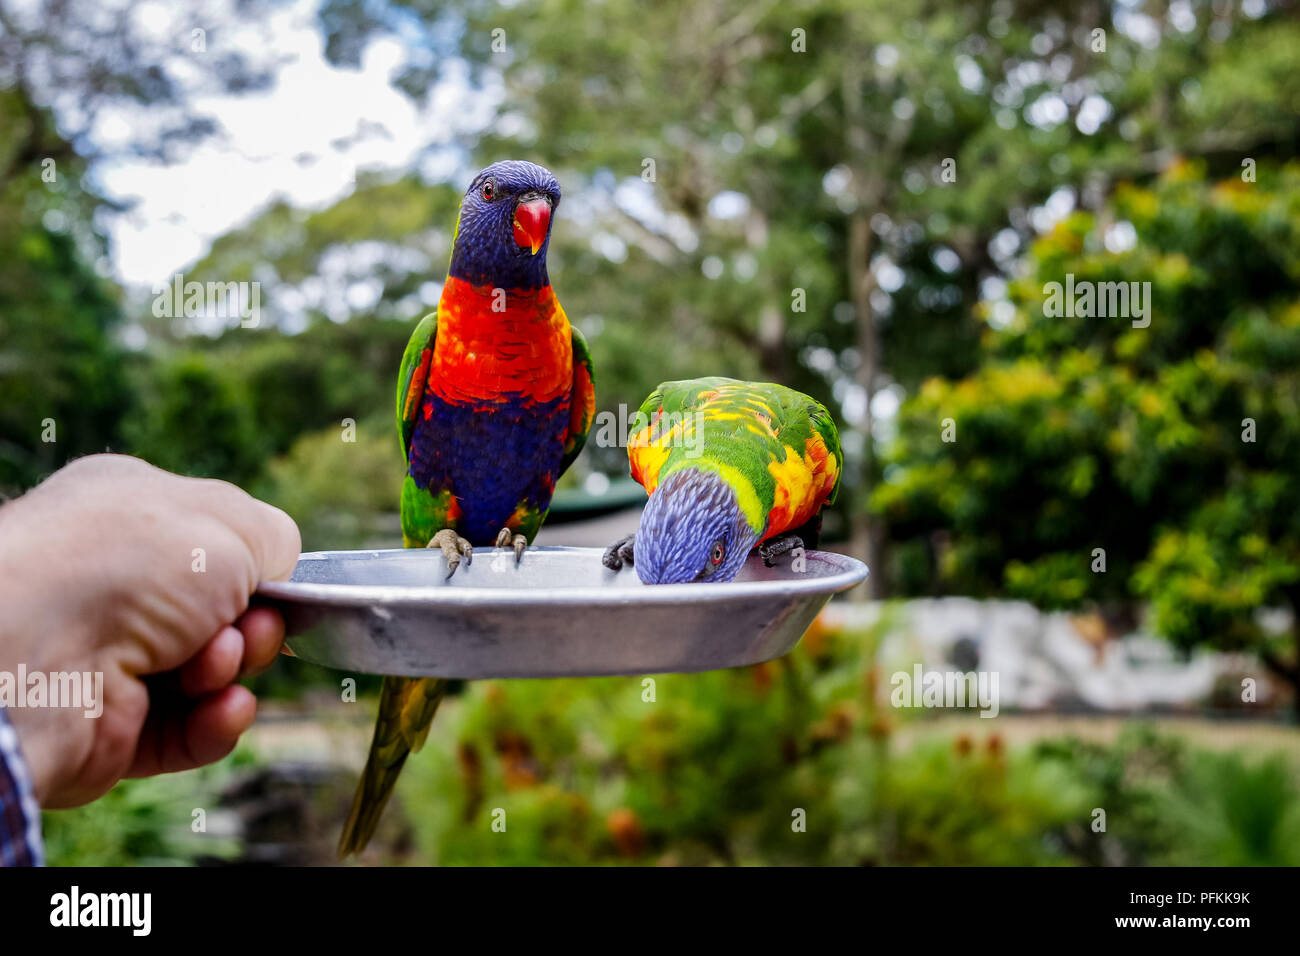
<point>20,817</point>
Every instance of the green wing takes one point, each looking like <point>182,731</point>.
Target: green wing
<point>685,395</point>
<point>414,373</point>
<point>652,403</point>
<point>582,403</point>
<point>802,417</point>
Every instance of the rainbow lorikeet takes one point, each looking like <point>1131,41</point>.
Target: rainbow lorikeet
<point>728,466</point>
<point>494,402</point>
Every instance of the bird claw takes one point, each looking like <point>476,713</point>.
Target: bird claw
<point>776,547</point>
<point>453,546</point>
<point>508,539</point>
<point>619,553</point>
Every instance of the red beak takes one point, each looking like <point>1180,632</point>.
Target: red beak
<point>532,219</point>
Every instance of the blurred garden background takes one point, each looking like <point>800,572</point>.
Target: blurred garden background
<point>866,200</point>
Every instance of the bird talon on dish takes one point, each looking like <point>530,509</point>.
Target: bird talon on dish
<point>775,547</point>
<point>506,538</point>
<point>453,546</point>
<point>619,553</point>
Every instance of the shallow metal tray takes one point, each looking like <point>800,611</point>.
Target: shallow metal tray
<point>559,613</point>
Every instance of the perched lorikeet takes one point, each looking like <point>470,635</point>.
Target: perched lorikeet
<point>728,465</point>
<point>494,402</point>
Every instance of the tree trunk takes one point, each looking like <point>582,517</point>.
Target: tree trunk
<point>771,344</point>
<point>865,530</point>
<point>772,322</point>
<point>866,192</point>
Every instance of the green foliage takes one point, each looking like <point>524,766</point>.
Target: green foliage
<point>253,394</point>
<point>59,359</point>
<point>1168,804</point>
<point>333,487</point>
<point>195,420</point>
<point>1235,813</point>
<point>714,769</point>
<point>144,822</point>
<point>1073,426</point>
<point>946,806</point>
<point>393,231</point>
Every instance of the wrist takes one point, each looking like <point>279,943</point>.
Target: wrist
<point>34,628</point>
<point>25,847</point>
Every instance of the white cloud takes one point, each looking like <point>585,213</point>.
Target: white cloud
<point>304,141</point>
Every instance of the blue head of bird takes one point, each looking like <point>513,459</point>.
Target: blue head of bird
<point>505,226</point>
<point>692,529</point>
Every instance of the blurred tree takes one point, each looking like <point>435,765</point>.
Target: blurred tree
<point>72,74</point>
<point>149,63</point>
<point>1090,460</point>
<point>316,378</point>
<point>63,387</point>
<point>195,420</point>
<point>327,348</point>
<point>333,481</point>
<point>736,162</point>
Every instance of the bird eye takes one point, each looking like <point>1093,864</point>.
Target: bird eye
<point>718,553</point>
<point>489,190</point>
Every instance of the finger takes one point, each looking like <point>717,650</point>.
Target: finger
<point>215,666</point>
<point>175,739</point>
<point>263,631</point>
<point>216,723</point>
<point>269,534</point>
<point>283,544</point>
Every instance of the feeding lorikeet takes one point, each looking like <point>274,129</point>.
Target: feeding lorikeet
<point>728,465</point>
<point>494,402</point>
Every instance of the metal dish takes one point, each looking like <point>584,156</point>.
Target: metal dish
<point>559,613</point>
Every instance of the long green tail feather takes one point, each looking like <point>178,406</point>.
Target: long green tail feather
<point>406,709</point>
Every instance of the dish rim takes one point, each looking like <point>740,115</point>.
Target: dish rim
<point>849,572</point>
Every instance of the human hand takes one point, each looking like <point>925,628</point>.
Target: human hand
<point>113,566</point>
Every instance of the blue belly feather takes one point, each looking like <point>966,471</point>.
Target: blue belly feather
<point>492,458</point>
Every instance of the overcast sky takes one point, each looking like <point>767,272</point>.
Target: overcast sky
<point>297,140</point>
